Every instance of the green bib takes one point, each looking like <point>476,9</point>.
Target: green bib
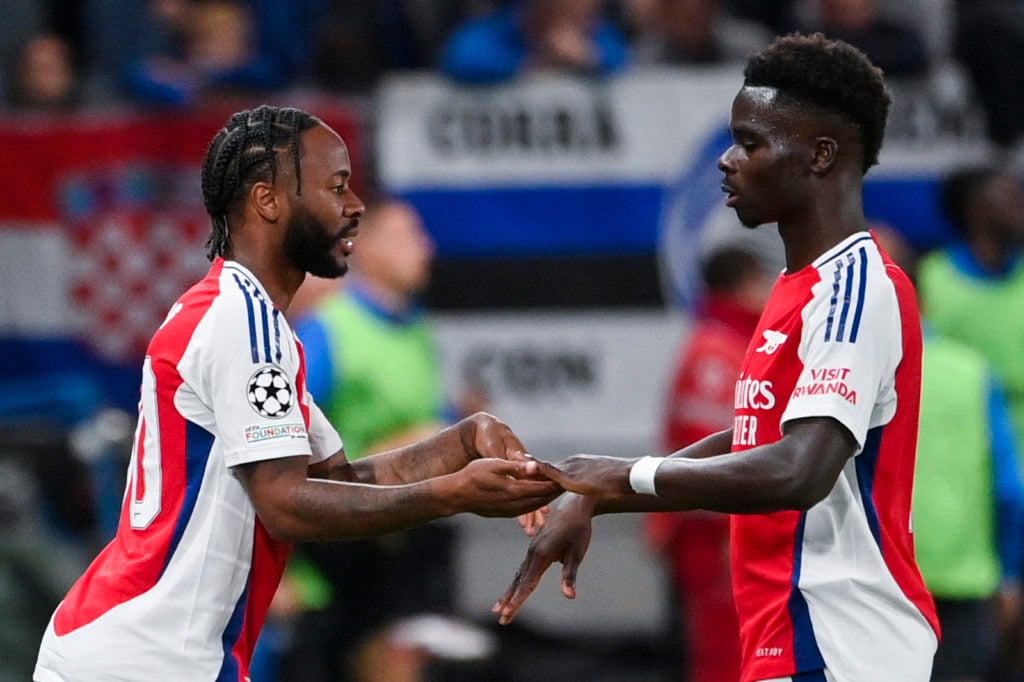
<point>986,315</point>
<point>386,375</point>
<point>953,504</point>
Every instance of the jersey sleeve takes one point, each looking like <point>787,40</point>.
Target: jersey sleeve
<point>850,348</point>
<point>324,440</point>
<point>250,381</point>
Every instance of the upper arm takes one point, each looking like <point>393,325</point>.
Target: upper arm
<point>814,451</point>
<point>850,347</point>
<point>273,485</point>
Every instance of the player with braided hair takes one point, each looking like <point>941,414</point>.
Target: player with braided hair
<point>817,468</point>
<point>232,460</point>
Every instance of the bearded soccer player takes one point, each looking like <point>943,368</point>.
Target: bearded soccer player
<point>233,461</point>
<point>818,466</point>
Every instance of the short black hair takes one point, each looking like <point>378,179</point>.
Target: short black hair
<point>829,74</point>
<point>245,152</point>
<point>958,190</point>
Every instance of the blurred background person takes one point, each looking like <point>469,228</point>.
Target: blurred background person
<point>356,42</point>
<point>372,365</point>
<point>695,545</point>
<point>893,45</point>
<point>691,32</point>
<point>988,40</point>
<point>213,53</point>
<point>968,503</point>
<point>44,76</point>
<point>973,289</point>
<point>528,36</point>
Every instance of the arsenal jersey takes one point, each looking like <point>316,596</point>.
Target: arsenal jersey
<point>836,586</point>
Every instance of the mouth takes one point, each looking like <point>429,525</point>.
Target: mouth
<point>730,194</point>
<point>345,237</point>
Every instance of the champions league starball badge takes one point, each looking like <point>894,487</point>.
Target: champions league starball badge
<point>270,393</point>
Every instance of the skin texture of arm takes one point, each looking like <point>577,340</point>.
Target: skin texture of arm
<point>476,466</point>
<point>793,473</point>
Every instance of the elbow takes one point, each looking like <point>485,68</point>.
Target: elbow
<point>284,529</point>
<point>799,491</point>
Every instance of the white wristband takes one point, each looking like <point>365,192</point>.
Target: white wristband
<point>641,474</point>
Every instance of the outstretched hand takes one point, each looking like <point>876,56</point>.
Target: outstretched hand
<point>596,476</point>
<point>565,539</point>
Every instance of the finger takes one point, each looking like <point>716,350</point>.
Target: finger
<point>569,576</point>
<point>533,521</point>
<point>525,582</point>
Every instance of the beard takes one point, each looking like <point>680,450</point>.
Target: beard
<point>309,246</point>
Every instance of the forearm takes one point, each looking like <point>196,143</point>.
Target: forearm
<point>443,453</point>
<point>793,473</point>
<point>321,510</point>
<point>710,446</point>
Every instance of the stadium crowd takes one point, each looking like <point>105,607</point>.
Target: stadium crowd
<point>62,54</point>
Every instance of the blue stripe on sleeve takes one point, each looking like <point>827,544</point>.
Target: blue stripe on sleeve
<point>253,345</point>
<point>860,294</point>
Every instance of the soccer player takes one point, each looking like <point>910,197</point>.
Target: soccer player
<point>817,468</point>
<point>232,458</point>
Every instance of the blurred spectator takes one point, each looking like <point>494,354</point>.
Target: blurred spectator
<point>896,47</point>
<point>214,53</point>
<point>372,366</point>
<point>695,545</point>
<point>694,32</point>
<point>357,42</point>
<point>968,500</point>
<point>778,16</point>
<point>989,41</point>
<point>43,76</point>
<point>527,36</point>
<point>973,290</point>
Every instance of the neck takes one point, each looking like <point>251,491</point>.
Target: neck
<point>830,220</point>
<point>278,277</point>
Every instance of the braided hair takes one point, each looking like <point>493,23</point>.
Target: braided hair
<point>244,152</point>
<point>829,74</point>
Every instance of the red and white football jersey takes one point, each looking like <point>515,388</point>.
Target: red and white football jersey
<point>182,590</point>
<point>836,586</point>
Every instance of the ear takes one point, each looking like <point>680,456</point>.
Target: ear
<point>826,151</point>
<point>266,201</point>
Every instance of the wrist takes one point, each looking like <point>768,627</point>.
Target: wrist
<point>467,429</point>
<point>642,473</point>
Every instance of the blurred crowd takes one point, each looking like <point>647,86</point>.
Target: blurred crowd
<point>65,54</point>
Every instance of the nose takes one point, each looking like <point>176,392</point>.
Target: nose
<point>725,160</point>
<point>354,206</point>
